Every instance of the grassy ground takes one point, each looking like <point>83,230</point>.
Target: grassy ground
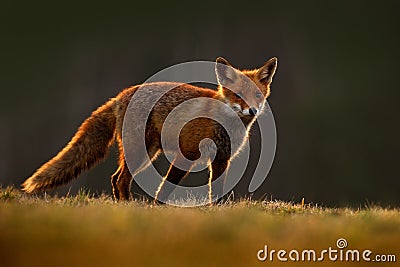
<point>82,230</point>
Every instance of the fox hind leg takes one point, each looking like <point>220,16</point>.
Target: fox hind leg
<point>114,179</point>
<point>174,175</point>
<point>122,178</point>
<point>123,183</point>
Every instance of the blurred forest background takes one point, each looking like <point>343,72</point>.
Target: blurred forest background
<point>335,96</point>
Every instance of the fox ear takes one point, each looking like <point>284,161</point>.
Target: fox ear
<point>224,71</point>
<point>266,72</point>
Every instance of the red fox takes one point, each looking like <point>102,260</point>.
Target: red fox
<point>247,93</point>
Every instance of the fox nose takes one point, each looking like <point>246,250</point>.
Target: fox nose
<point>253,111</point>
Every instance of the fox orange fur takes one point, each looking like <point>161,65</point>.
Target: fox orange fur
<point>97,133</point>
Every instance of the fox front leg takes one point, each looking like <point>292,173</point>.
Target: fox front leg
<point>218,170</point>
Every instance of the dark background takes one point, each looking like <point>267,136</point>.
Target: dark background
<point>335,95</point>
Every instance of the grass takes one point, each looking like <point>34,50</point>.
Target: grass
<point>84,230</point>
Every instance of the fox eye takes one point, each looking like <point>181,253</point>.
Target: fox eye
<point>239,95</point>
<point>258,95</point>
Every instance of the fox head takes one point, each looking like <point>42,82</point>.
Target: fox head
<point>245,91</point>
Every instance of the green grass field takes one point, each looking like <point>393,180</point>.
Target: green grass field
<point>83,230</point>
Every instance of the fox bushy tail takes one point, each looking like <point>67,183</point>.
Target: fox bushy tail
<point>89,145</point>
